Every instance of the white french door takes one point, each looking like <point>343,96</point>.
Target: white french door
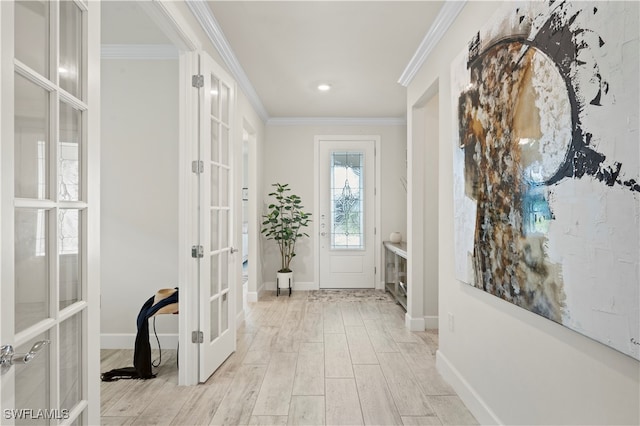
<point>217,213</point>
<point>49,213</point>
<point>346,187</point>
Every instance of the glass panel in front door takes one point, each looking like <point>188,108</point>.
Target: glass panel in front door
<point>347,200</point>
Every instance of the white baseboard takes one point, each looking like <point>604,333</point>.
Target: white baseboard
<point>431,322</point>
<point>297,285</point>
<point>414,324</point>
<point>252,296</point>
<point>128,340</point>
<point>469,396</point>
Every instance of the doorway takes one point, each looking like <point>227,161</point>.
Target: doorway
<point>140,174</point>
<point>346,215</point>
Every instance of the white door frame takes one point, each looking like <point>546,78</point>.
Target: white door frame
<point>379,284</point>
<point>253,218</point>
<point>166,15</point>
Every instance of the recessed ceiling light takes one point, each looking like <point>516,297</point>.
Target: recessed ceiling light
<point>324,87</point>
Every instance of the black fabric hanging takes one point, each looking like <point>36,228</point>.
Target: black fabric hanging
<point>142,350</point>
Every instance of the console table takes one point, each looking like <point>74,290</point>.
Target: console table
<point>395,271</point>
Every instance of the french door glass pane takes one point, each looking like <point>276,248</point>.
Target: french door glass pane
<point>224,228</point>
<point>215,288</point>
<point>31,140</point>
<point>69,250</point>
<point>347,200</point>
<point>32,35</point>
<point>224,187</point>
<point>214,319</point>
<point>32,382</point>
<point>31,267</point>
<point>224,100</point>
<point>215,150</point>
<point>70,362</point>
<point>70,67</point>
<point>69,165</point>
<point>224,146</point>
<point>224,265</point>
<point>215,95</point>
<point>215,187</point>
<point>214,230</point>
<point>224,313</point>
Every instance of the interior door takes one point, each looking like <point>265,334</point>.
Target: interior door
<point>49,213</point>
<point>347,213</point>
<point>217,265</point>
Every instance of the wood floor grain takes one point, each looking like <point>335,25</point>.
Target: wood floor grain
<point>300,360</point>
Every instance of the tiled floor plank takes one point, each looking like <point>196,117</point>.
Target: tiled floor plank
<point>275,393</point>
<point>375,398</point>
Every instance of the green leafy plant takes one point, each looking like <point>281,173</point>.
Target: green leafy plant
<point>284,222</point>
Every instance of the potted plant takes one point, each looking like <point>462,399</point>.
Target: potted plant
<point>284,223</point>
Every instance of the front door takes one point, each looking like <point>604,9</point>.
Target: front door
<point>49,212</point>
<point>218,261</point>
<point>347,212</point>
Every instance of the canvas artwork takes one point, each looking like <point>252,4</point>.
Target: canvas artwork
<point>547,164</point>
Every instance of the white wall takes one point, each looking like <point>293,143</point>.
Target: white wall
<point>288,157</point>
<point>139,192</point>
<point>509,365</point>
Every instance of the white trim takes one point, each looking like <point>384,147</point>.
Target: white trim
<point>165,14</point>
<point>203,14</point>
<point>431,322</point>
<point>297,286</point>
<point>252,296</point>
<point>128,340</point>
<point>448,13</point>
<point>187,222</point>
<point>138,51</point>
<point>480,410</point>
<point>337,121</point>
<point>414,324</point>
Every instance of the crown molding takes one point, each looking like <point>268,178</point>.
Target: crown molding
<point>138,51</point>
<point>208,22</point>
<point>448,13</point>
<point>337,121</point>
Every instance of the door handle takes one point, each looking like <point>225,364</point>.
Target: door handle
<point>233,250</point>
<point>8,357</point>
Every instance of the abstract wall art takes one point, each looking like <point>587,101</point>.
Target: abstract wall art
<point>547,164</point>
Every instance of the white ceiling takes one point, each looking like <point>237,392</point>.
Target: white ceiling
<point>286,48</point>
<point>359,47</point>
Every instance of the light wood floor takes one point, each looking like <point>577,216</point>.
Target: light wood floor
<point>300,361</point>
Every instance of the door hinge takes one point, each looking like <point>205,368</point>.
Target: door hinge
<point>197,337</point>
<point>375,270</point>
<point>197,80</point>
<point>197,167</point>
<point>197,252</point>
<point>375,231</point>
